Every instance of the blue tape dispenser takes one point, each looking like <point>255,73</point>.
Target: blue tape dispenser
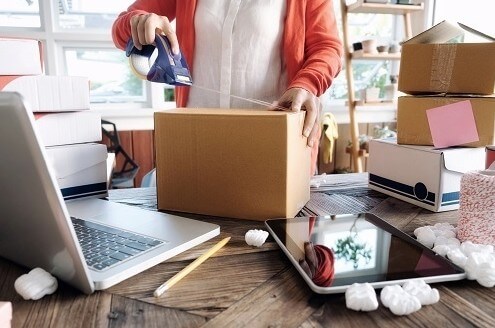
<point>158,66</point>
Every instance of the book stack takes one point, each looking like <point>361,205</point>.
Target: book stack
<point>67,128</point>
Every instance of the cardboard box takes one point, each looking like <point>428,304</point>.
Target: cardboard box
<point>248,164</point>
<point>21,57</point>
<point>81,170</point>
<point>429,64</point>
<point>50,93</point>
<point>421,175</point>
<point>56,129</point>
<point>412,122</point>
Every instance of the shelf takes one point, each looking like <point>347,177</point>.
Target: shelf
<point>362,152</point>
<point>361,7</point>
<point>377,56</point>
<point>370,112</point>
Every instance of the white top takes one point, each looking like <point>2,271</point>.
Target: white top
<point>238,51</point>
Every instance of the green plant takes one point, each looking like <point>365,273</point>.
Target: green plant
<point>350,249</point>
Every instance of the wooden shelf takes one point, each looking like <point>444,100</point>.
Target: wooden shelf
<point>361,7</point>
<point>362,152</point>
<point>377,56</point>
<point>357,109</point>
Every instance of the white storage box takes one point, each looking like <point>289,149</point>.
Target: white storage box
<point>421,175</point>
<point>56,129</point>
<point>21,56</point>
<point>81,170</point>
<point>50,93</point>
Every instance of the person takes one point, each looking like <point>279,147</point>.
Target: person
<point>284,52</point>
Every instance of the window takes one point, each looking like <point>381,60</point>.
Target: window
<point>77,41</point>
<point>19,13</point>
<point>385,29</point>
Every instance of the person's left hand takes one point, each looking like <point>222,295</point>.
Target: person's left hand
<point>297,99</point>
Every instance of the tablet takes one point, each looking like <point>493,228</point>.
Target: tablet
<point>360,248</point>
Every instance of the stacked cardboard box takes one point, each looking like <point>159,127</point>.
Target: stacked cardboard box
<point>444,79</point>
<point>67,128</point>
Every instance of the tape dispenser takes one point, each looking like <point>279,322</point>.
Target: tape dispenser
<point>158,63</point>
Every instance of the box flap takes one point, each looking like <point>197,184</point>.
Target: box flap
<point>68,160</point>
<point>464,160</point>
<point>476,32</point>
<point>446,32</point>
<point>443,32</point>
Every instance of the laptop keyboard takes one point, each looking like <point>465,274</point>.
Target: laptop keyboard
<point>104,247</point>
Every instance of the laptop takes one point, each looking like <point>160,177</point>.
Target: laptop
<point>39,229</point>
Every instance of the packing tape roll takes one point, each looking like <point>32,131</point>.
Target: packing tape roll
<point>141,65</point>
<point>477,207</point>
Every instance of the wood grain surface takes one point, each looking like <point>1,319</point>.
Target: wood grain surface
<point>244,286</point>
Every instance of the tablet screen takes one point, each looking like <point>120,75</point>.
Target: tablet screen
<point>356,248</point>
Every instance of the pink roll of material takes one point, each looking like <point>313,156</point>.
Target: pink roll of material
<point>477,208</point>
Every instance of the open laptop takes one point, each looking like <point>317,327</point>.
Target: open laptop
<point>36,225</point>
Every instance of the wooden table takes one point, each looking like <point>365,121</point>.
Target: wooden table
<point>244,286</point>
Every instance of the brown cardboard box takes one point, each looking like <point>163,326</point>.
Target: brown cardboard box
<point>249,164</point>
<point>412,122</point>
<point>429,64</point>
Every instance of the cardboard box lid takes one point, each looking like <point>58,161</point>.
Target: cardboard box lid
<point>446,32</point>
<point>223,112</point>
<point>453,160</point>
<point>451,157</point>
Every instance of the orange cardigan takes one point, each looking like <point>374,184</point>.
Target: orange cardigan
<point>311,44</point>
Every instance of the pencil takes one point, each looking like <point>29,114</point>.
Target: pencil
<point>193,265</point>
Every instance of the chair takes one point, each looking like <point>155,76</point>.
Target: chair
<point>127,172</point>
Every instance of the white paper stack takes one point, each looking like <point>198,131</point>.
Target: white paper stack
<point>80,169</point>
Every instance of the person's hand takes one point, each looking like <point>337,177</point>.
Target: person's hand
<point>296,99</point>
<point>144,27</point>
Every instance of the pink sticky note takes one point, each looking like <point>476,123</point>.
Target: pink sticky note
<point>452,125</point>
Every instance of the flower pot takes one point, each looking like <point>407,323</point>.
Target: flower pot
<point>372,94</point>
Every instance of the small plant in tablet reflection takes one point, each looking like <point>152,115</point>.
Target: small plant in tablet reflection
<point>350,249</point>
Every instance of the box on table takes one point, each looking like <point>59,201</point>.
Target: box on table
<point>21,56</point>
<point>56,129</point>
<point>249,164</point>
<point>80,169</point>
<point>431,65</point>
<point>412,122</point>
<point>421,175</point>
<point>50,93</point>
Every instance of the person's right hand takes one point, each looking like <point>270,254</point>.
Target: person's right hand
<point>144,27</point>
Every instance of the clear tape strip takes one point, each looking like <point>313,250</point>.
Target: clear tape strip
<point>442,66</point>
